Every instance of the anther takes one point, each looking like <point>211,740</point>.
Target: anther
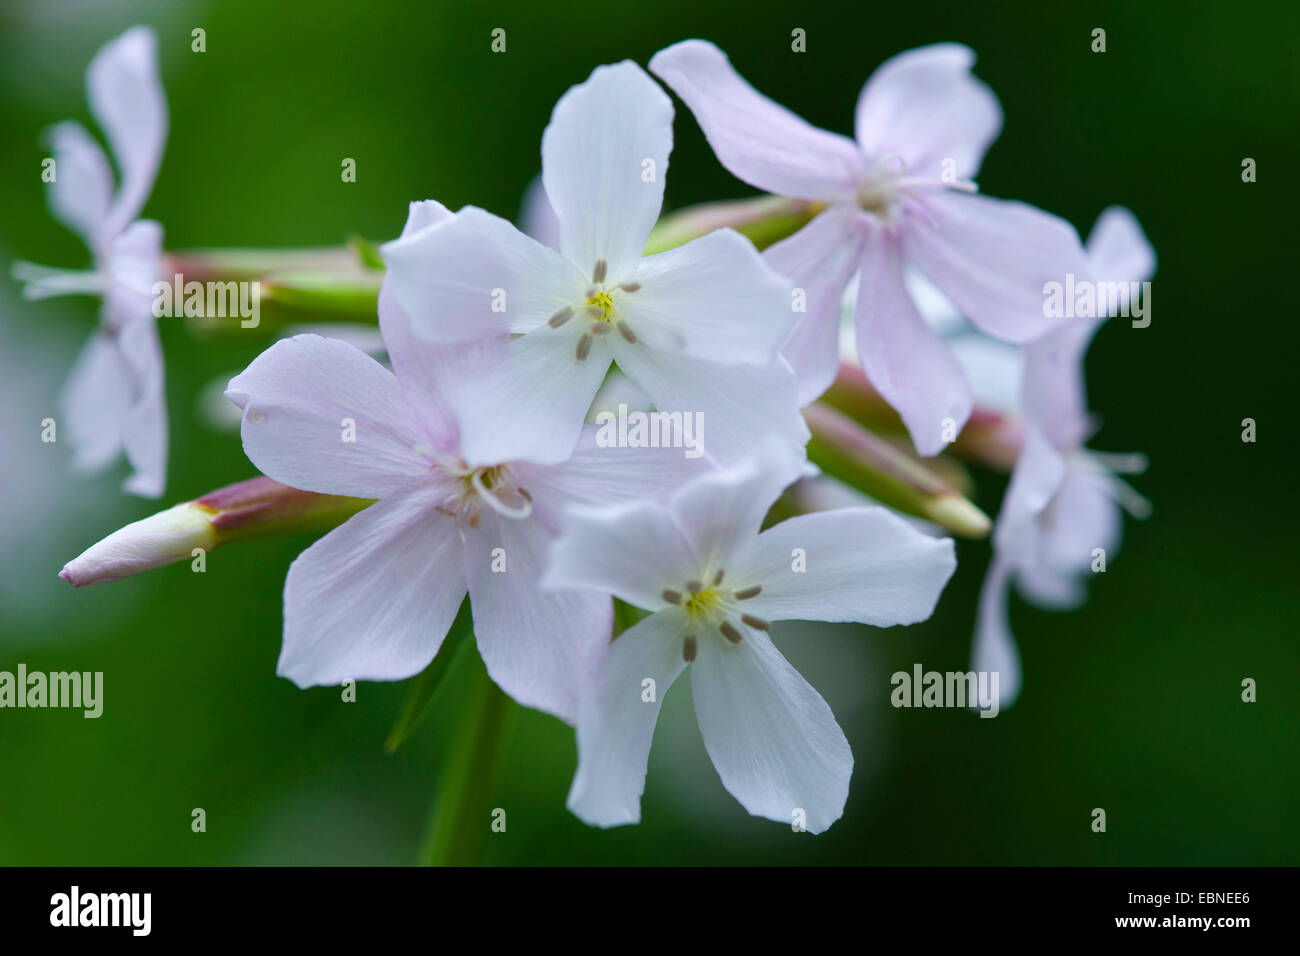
<point>730,633</point>
<point>598,273</point>
<point>694,587</point>
<point>689,647</point>
<point>717,578</point>
<point>595,311</point>
<point>627,332</point>
<point>601,328</point>
<point>523,493</point>
<point>559,318</point>
<point>671,596</point>
<point>745,593</point>
<point>584,347</point>
<point>755,622</point>
<point>629,286</point>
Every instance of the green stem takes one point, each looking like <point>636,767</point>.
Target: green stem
<point>462,813</point>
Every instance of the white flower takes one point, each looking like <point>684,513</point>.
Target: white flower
<point>113,399</point>
<point>698,328</point>
<point>714,585</point>
<point>1064,501</point>
<point>375,597</point>
<point>901,194</point>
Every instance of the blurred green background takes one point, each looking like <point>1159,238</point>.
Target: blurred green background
<point>1131,704</point>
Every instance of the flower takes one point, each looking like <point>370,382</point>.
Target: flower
<point>698,328</point>
<point>113,399</point>
<point>714,585</point>
<point>1064,501</point>
<point>374,598</point>
<point>901,194</point>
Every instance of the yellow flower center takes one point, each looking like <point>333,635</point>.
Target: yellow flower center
<point>603,301</point>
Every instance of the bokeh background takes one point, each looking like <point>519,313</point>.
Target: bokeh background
<point>1131,704</point>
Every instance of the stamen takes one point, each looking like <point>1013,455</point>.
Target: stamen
<point>629,286</point>
<point>689,647</point>
<point>694,587</point>
<point>1128,497</point>
<point>627,332</point>
<point>584,346</point>
<point>598,273</point>
<point>591,290</point>
<point>755,622</point>
<point>595,311</point>
<point>446,511</point>
<point>473,519</point>
<point>523,493</point>
<point>559,318</point>
<point>717,578</point>
<point>730,633</point>
<point>671,596</point>
<point>495,503</point>
<point>600,328</point>
<point>744,594</point>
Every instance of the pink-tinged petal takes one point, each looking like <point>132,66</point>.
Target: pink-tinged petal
<point>758,140</point>
<point>995,369</point>
<point>713,298</point>
<point>94,401</point>
<point>1051,588</point>
<point>373,599</point>
<point>538,645</point>
<point>126,98</point>
<point>995,649</point>
<point>1054,393</point>
<point>770,735</point>
<point>741,404</point>
<point>474,276</point>
<point>144,427</point>
<point>134,265</point>
<point>993,258</point>
<point>855,564</point>
<point>721,511</point>
<point>1118,249</point>
<point>604,159</point>
<point>819,259</point>
<point>83,185</point>
<point>617,716</point>
<point>1037,478</point>
<point>1081,517</point>
<point>602,472</point>
<point>905,359</point>
<point>322,416</point>
<point>632,550</point>
<point>926,107</point>
<point>526,399</point>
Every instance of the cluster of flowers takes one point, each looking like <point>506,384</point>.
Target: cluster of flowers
<point>487,480</point>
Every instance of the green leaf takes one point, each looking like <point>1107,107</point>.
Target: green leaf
<point>425,686</point>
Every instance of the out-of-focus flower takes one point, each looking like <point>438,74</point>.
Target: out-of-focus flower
<point>698,328</point>
<point>113,399</point>
<point>714,585</point>
<point>374,598</point>
<point>901,194</point>
<point>1062,510</point>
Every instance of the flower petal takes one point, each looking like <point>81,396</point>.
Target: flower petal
<point>94,400</point>
<point>993,258</point>
<point>741,404</point>
<point>1053,391</point>
<point>83,185</point>
<point>758,140</point>
<point>820,259</point>
<point>604,159</point>
<point>144,427</point>
<point>1037,478</point>
<point>925,106</point>
<point>616,721</point>
<point>373,599</point>
<point>905,359</point>
<point>126,97</point>
<point>712,298</point>
<point>995,646</point>
<point>323,416</point>
<point>632,550</point>
<point>538,645</point>
<point>476,275</point>
<point>853,564</point>
<point>772,738</point>
<point>1118,249</point>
